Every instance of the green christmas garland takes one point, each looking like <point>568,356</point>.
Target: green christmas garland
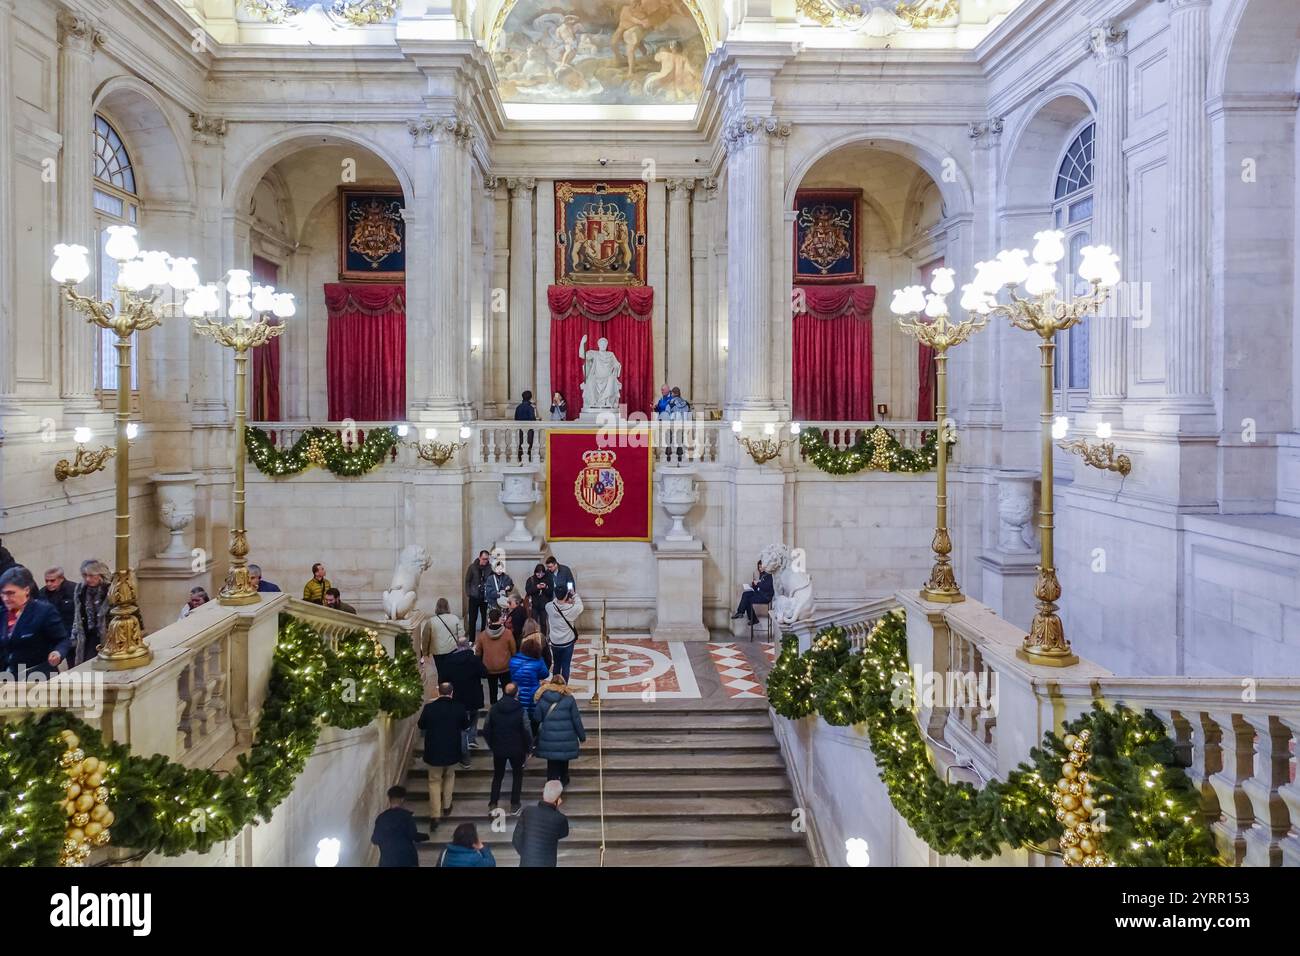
<point>883,454</point>
<point>320,447</point>
<point>164,807</point>
<point>1152,811</point>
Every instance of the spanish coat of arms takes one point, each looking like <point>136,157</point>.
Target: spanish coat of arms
<point>372,244</point>
<point>599,487</point>
<point>600,233</point>
<point>826,236</point>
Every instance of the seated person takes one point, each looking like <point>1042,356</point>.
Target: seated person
<point>255,579</point>
<point>335,600</point>
<point>198,598</point>
<point>314,590</point>
<point>760,591</point>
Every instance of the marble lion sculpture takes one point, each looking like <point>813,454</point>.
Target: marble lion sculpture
<point>794,594</point>
<point>399,599</point>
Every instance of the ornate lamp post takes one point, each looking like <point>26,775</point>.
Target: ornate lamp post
<point>242,333</point>
<point>141,277</point>
<point>939,334</point>
<point>1043,310</point>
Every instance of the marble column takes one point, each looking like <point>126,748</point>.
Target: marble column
<point>1187,329</point>
<point>496,343</point>
<point>215,246</point>
<point>445,228</point>
<point>8,320</point>
<point>750,221</point>
<point>77,39</point>
<point>704,342</point>
<point>679,338</point>
<point>521,285</point>
<point>1108,376</point>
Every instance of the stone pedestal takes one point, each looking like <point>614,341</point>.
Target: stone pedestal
<point>1009,567</point>
<point>166,578</point>
<point>518,494</point>
<point>680,605</point>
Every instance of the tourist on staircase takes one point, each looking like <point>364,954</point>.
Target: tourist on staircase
<point>466,849</point>
<point>90,611</point>
<point>314,590</point>
<point>496,646</point>
<point>563,614</point>
<point>32,637</point>
<point>539,831</point>
<point>560,577</point>
<point>443,721</point>
<point>516,618</point>
<point>538,589</point>
<point>445,631</point>
<point>509,733</point>
<point>395,832</point>
<point>475,581</point>
<point>560,728</point>
<point>464,670</point>
<point>258,583</point>
<point>497,587</point>
<point>527,671</point>
<point>334,599</point>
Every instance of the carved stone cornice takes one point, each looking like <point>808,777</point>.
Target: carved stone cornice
<point>680,189</point>
<point>207,128</point>
<point>428,130</point>
<point>521,186</point>
<point>749,129</point>
<point>78,32</point>
<point>1107,40</point>
<point>490,184</point>
<point>987,133</point>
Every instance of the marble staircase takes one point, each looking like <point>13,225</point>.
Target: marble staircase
<point>687,783</point>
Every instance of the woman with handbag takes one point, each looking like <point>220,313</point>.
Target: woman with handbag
<point>445,631</point>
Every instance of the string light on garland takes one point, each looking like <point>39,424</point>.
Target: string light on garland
<point>876,449</point>
<point>321,448</point>
<point>1153,815</point>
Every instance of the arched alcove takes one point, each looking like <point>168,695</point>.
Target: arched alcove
<point>1035,148</point>
<point>164,173</point>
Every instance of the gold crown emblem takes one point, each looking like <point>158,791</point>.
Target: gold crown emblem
<point>599,458</point>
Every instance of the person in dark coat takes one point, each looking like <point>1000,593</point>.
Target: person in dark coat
<point>61,593</point>
<point>443,721</point>
<point>509,733</point>
<point>561,577</point>
<point>466,849</point>
<point>527,671</point>
<point>32,636</point>
<point>256,580</point>
<point>539,831</point>
<point>760,591</point>
<point>464,670</point>
<point>526,411</point>
<point>395,832</point>
<point>538,589</point>
<point>560,730</point>
<point>90,611</point>
<point>475,582</point>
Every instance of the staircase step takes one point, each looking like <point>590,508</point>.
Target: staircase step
<point>681,722</point>
<point>472,808</point>
<point>637,762</point>
<point>708,856</point>
<point>477,786</point>
<point>586,831</point>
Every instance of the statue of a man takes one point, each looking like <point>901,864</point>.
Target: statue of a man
<point>600,375</point>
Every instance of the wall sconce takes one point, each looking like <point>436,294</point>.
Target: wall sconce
<point>768,447</point>
<point>882,410</point>
<point>437,452</point>
<point>403,430</point>
<point>85,462</point>
<point>1101,455</point>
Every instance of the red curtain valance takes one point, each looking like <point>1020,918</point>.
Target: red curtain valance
<point>833,301</point>
<point>600,303</point>
<point>364,298</point>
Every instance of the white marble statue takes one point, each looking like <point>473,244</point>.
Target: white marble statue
<point>600,376</point>
<point>399,599</point>
<point>794,595</point>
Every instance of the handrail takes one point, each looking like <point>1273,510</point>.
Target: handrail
<point>602,654</point>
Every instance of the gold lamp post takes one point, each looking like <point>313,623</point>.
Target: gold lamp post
<point>141,277</point>
<point>940,334</point>
<point>242,333</point>
<point>1043,310</point>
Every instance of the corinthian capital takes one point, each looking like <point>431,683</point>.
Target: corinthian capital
<point>680,188</point>
<point>450,128</point>
<point>520,186</point>
<point>207,127</point>
<point>78,32</point>
<point>750,129</point>
<point>1107,40</point>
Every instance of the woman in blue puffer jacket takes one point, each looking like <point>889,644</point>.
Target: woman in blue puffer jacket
<point>466,849</point>
<point>561,728</point>
<point>527,671</point>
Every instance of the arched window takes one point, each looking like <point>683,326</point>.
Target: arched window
<point>116,203</point>
<point>1072,214</point>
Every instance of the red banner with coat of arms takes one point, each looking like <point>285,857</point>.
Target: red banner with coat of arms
<point>598,485</point>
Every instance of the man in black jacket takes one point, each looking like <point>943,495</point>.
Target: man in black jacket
<point>464,670</point>
<point>539,831</point>
<point>760,591</point>
<point>526,411</point>
<point>443,721</point>
<point>395,833</point>
<point>509,733</point>
<point>32,637</point>
<point>475,578</point>
<point>60,592</point>
<point>561,578</point>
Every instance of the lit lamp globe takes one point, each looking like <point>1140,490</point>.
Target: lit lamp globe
<point>1014,266</point>
<point>1060,427</point>
<point>156,267</point>
<point>81,434</point>
<point>237,283</point>
<point>1041,279</point>
<point>1100,266</point>
<point>1049,248</point>
<point>936,306</point>
<point>943,282</point>
<point>737,426</point>
<point>121,244</point>
<point>71,265</point>
<point>284,307</point>
<point>184,277</point>
<point>989,277</point>
<point>240,307</point>
<point>465,432</point>
<point>975,299</point>
<point>134,275</point>
<point>263,298</point>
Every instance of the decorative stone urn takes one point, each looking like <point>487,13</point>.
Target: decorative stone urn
<point>678,494</point>
<point>1015,512</point>
<point>174,493</point>
<point>518,494</point>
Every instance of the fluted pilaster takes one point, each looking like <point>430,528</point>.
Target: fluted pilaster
<point>77,39</point>
<point>680,291</point>
<point>1108,376</point>
<point>703,301</point>
<point>214,245</point>
<point>749,261</point>
<point>1187,365</point>
<point>8,320</point>
<point>522,332</point>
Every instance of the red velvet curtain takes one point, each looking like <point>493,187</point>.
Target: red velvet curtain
<point>832,353</point>
<point>621,315</point>
<point>365,351</point>
<point>926,382</point>
<point>266,358</point>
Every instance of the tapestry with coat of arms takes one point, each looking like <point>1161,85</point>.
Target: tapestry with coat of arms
<point>372,234</point>
<point>600,233</point>
<point>826,240</point>
<point>598,485</point>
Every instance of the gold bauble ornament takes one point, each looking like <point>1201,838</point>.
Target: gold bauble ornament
<point>96,779</point>
<point>102,838</point>
<point>1074,854</point>
<point>1070,802</point>
<point>108,818</point>
<point>81,819</point>
<point>77,835</point>
<point>1070,741</point>
<point>1087,846</point>
<point>1069,771</point>
<point>90,765</point>
<point>1063,784</point>
<point>101,794</point>
<point>85,802</point>
<point>1088,804</point>
<point>73,791</point>
<point>1071,820</point>
<point>99,812</point>
<point>92,828</point>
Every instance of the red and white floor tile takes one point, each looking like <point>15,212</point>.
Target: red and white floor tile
<point>637,669</point>
<point>737,675</point>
